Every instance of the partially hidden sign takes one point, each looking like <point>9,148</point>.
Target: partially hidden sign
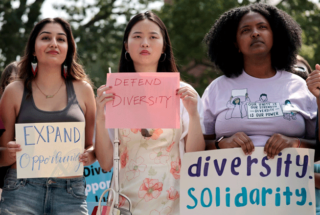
<point>50,149</point>
<point>143,100</point>
<point>228,182</point>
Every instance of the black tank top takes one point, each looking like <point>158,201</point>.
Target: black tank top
<point>29,113</point>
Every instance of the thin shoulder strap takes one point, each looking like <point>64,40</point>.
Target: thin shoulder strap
<point>70,91</point>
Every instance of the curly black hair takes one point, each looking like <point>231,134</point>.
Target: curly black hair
<point>222,37</point>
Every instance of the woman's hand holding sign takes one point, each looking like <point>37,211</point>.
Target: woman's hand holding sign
<point>313,82</point>
<point>189,99</point>
<point>102,98</point>
<point>13,148</point>
<point>239,139</point>
<point>277,142</point>
<point>87,157</point>
<point>194,139</point>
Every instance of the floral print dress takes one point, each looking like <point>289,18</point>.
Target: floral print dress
<point>150,170</point>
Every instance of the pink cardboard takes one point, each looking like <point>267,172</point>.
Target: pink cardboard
<point>143,100</point>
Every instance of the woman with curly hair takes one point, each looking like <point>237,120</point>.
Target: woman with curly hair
<point>254,46</point>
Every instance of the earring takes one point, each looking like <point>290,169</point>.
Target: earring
<point>164,57</point>
<point>125,56</point>
<point>65,70</point>
<point>34,66</point>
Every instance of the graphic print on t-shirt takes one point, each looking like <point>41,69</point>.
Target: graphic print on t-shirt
<point>263,98</point>
<point>289,110</point>
<point>237,104</point>
<point>240,106</point>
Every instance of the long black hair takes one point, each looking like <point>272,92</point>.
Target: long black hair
<point>166,65</point>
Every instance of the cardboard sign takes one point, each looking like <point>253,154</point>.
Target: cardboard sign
<point>50,149</point>
<point>228,182</point>
<point>143,100</point>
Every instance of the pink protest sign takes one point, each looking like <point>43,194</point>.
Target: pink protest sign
<point>143,100</point>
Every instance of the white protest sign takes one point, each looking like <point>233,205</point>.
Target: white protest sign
<point>50,149</point>
<point>236,93</point>
<point>257,110</point>
<point>228,182</point>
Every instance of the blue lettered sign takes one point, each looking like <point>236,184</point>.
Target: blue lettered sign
<point>98,181</point>
<point>49,149</point>
<point>229,182</point>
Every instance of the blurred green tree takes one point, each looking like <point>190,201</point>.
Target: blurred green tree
<point>307,14</point>
<point>188,21</point>
<point>16,24</point>
<point>99,40</point>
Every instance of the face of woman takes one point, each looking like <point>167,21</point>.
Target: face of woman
<point>254,35</point>
<point>145,43</point>
<point>51,45</point>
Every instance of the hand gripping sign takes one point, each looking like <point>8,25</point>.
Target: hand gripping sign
<point>228,182</point>
<point>50,149</point>
<point>143,100</point>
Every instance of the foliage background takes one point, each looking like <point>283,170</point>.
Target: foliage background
<point>99,38</point>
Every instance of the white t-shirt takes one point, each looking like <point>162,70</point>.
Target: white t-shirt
<point>184,121</point>
<point>260,107</point>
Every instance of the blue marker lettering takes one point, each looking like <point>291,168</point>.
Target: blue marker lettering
<point>58,134</point>
<point>210,198</point>
<point>74,135</point>
<point>287,194</point>
<point>264,195</point>
<point>303,196</point>
<point>244,196</point>
<point>257,194</point>
<point>40,135</point>
<point>193,198</point>
<point>48,139</point>
<point>24,156</point>
<point>25,135</point>
<point>66,134</point>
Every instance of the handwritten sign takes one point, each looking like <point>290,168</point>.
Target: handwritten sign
<point>50,149</point>
<point>143,100</point>
<point>257,110</point>
<point>228,182</point>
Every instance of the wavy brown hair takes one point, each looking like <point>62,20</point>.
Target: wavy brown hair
<point>75,70</point>
<point>166,65</point>
<point>6,75</point>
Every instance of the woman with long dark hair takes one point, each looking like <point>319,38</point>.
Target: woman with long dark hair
<point>254,46</point>
<point>53,87</point>
<point>150,176</point>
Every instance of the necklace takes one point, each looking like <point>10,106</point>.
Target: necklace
<point>48,96</point>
